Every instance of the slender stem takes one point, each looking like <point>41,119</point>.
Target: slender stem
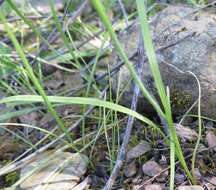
<point>32,76</point>
<point>102,13</point>
<point>200,128</point>
<point>159,83</point>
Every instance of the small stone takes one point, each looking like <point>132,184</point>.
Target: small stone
<point>138,150</point>
<point>192,187</point>
<point>179,178</point>
<point>211,139</point>
<point>213,180</point>
<point>130,169</point>
<point>151,168</point>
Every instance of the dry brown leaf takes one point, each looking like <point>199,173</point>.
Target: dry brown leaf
<point>211,139</point>
<point>138,150</point>
<point>185,133</point>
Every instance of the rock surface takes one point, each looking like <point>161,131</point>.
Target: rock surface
<point>63,172</point>
<point>195,51</point>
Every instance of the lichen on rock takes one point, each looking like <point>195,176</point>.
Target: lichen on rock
<point>195,35</point>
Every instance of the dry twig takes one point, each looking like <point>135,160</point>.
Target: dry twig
<point>123,149</point>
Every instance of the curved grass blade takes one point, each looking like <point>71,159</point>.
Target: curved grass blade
<point>29,99</point>
<point>102,13</point>
<point>32,76</point>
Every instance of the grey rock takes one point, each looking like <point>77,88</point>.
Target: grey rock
<point>194,52</point>
<point>62,172</point>
<point>179,178</point>
<point>151,168</point>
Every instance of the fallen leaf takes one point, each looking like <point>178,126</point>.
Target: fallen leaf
<point>138,150</point>
<point>211,139</point>
<point>185,133</point>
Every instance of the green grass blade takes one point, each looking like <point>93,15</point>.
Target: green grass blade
<point>9,115</point>
<point>63,36</point>
<point>29,99</point>
<point>150,52</point>
<point>172,152</point>
<point>28,22</point>
<point>102,13</point>
<point>159,83</point>
<point>32,76</point>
